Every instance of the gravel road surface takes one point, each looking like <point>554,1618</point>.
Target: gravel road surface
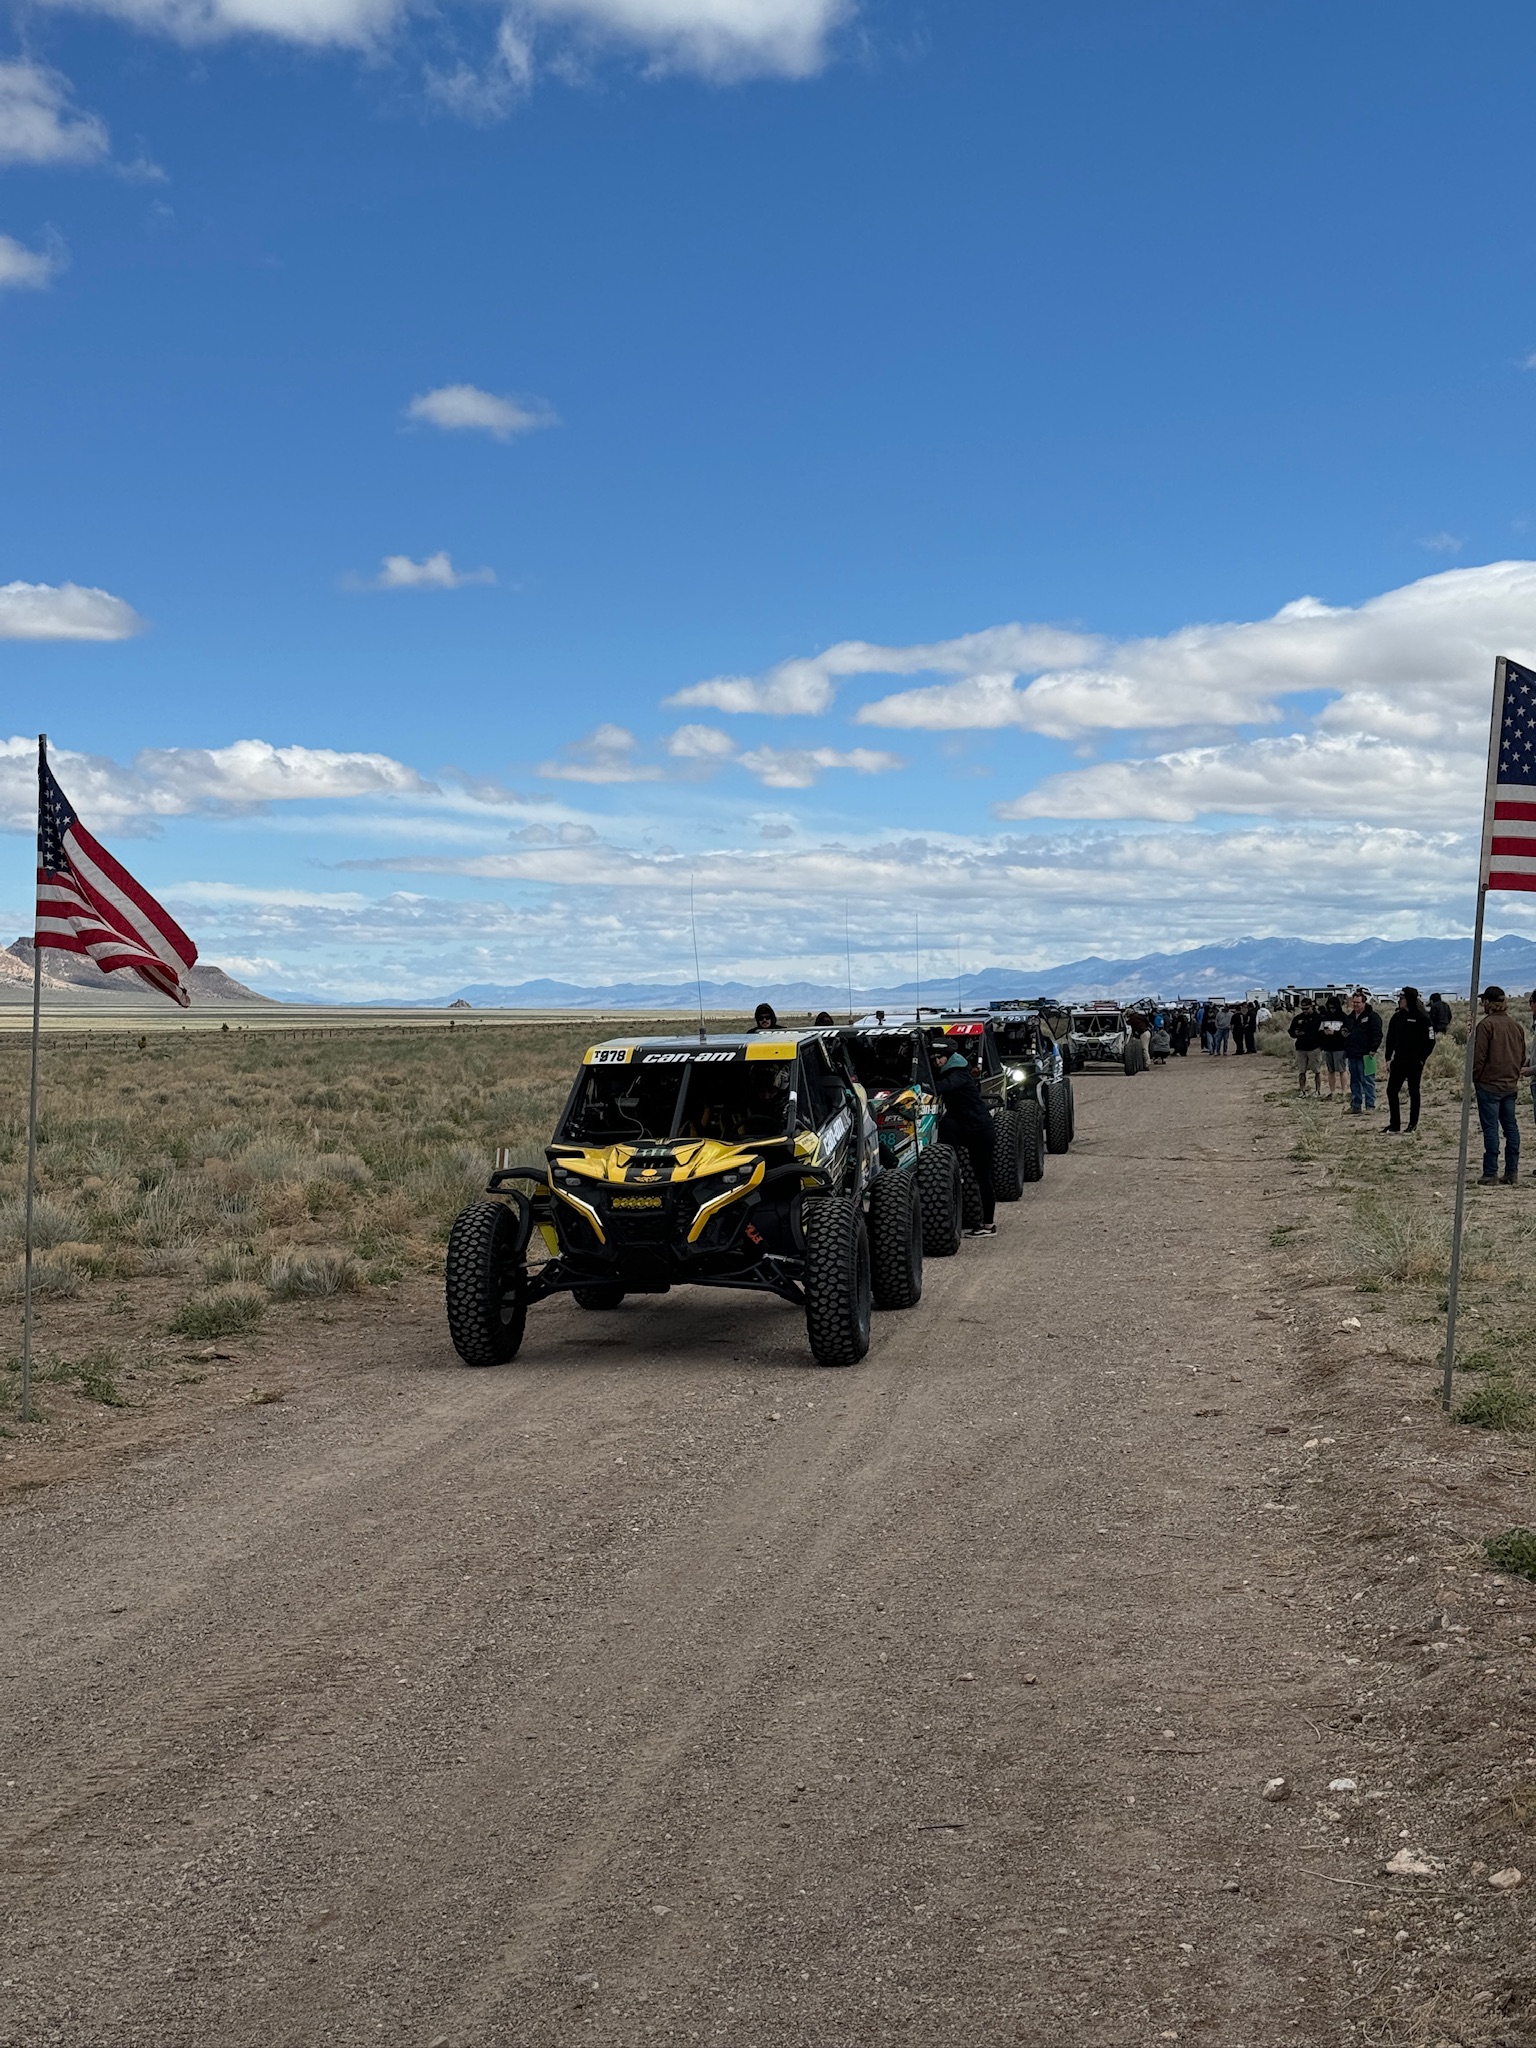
<point>661,1686</point>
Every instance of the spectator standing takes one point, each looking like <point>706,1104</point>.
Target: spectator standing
<point>1251,1028</point>
<point>1221,1028</point>
<point>1410,1041</point>
<point>1362,1042</point>
<point>1178,1033</point>
<point>1439,1014</point>
<point>1331,1034</point>
<point>965,1124</point>
<point>1498,1061</point>
<point>1305,1036</point>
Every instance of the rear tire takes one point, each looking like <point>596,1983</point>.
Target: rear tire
<point>485,1285</point>
<point>1031,1141</point>
<point>896,1241</point>
<point>1008,1168</point>
<point>605,1294</point>
<point>1058,1115</point>
<point>972,1213</point>
<point>1129,1060</point>
<point>1071,1111</point>
<point>838,1283</point>
<point>940,1188</point>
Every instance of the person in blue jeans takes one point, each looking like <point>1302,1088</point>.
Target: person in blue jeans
<point>1498,1061</point>
<point>1362,1042</point>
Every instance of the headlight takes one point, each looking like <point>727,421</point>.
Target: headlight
<point>1016,1073</point>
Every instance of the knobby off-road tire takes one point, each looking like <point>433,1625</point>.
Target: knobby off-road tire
<point>971,1212</point>
<point>605,1294</point>
<point>1130,1061</point>
<point>1058,1115</point>
<point>1008,1156</point>
<point>838,1284</point>
<point>1071,1110</point>
<point>1031,1141</point>
<point>940,1190</point>
<point>487,1302</point>
<point>896,1240</point>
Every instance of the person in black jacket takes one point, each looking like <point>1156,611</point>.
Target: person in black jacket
<point>965,1124</point>
<point>1410,1041</point>
<point>1362,1042</point>
<point>1305,1034</point>
<point>1439,1014</point>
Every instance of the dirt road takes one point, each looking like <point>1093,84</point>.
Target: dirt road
<point>661,1686</point>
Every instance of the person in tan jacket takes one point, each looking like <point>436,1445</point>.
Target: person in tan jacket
<point>1498,1061</point>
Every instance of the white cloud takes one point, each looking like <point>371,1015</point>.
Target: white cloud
<point>436,572</point>
<point>1341,775</point>
<point>313,23</point>
<point>37,123</point>
<point>808,685</point>
<point>177,782</point>
<point>719,38</point>
<point>606,755</point>
<point>464,408</point>
<point>64,611</point>
<point>799,767</point>
<point>1442,543</point>
<point>1426,649</point>
<point>29,270</point>
<point>701,743</point>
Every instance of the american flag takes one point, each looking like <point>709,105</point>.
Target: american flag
<point>87,903</point>
<point>1512,848</point>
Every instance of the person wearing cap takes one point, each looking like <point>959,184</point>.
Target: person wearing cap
<point>1498,1061</point>
<point>965,1125</point>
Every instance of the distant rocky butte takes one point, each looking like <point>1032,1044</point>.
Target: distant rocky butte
<point>74,976</point>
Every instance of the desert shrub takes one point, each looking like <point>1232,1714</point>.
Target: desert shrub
<point>1513,1551</point>
<point>220,1313</point>
<point>52,1223</point>
<point>1500,1402</point>
<point>52,1273</point>
<point>293,1276</point>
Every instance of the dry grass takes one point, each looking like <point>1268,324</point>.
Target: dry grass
<point>1395,1234</point>
<point>193,1181</point>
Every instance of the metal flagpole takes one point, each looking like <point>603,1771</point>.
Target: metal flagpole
<point>37,1016</point>
<point>1494,730</point>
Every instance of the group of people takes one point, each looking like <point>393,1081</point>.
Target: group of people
<point>1346,1041</point>
<point>1228,1027</point>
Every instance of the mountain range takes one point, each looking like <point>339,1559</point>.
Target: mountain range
<point>1229,968</point>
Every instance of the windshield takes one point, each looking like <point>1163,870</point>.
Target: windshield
<point>1095,1023</point>
<point>882,1063</point>
<point>644,1103</point>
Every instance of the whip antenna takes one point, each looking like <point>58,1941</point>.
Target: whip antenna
<point>698,979</point>
<point>917,951</point>
<point>848,955</point>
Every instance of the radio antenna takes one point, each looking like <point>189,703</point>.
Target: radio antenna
<point>848,955</point>
<point>698,978</point>
<point>917,949</point>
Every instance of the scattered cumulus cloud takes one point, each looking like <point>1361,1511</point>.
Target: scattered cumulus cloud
<point>29,270</point>
<point>181,782</point>
<point>809,684</point>
<point>465,408</point>
<point>37,123</point>
<point>63,611</point>
<point>435,572</point>
<point>799,767</point>
<point>607,755</point>
<point>720,39</point>
<point>701,743</point>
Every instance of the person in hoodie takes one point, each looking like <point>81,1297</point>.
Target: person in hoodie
<point>1362,1042</point>
<point>1498,1061</point>
<point>1410,1041</point>
<point>965,1124</point>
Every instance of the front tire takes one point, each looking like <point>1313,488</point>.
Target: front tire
<point>941,1189</point>
<point>896,1240</point>
<point>485,1285</point>
<point>1058,1115</point>
<point>1031,1141</point>
<point>1008,1168</point>
<point>839,1295</point>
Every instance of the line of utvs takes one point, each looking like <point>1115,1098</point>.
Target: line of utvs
<point>801,1163</point>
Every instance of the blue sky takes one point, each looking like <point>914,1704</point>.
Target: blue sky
<point>788,326</point>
